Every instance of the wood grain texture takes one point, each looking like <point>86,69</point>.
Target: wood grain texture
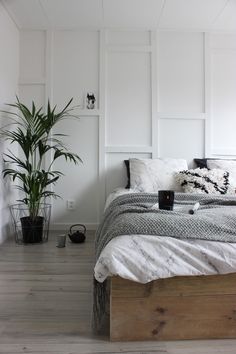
<point>45,305</point>
<point>201,307</point>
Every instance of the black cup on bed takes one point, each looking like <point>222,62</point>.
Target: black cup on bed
<point>166,199</point>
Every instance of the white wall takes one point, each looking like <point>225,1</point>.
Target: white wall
<point>223,94</point>
<point>159,95</point>
<point>9,63</point>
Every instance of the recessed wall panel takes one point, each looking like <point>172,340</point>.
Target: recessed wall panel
<point>128,37</point>
<point>128,99</point>
<point>181,72</point>
<point>29,93</point>
<point>75,66</point>
<point>32,54</point>
<point>80,182</point>
<point>223,100</point>
<point>223,41</point>
<point>181,139</point>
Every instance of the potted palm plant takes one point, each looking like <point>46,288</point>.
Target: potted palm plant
<point>31,131</point>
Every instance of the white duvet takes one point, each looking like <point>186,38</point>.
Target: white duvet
<point>143,258</point>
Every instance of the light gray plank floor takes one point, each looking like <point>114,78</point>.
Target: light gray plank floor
<point>45,305</point>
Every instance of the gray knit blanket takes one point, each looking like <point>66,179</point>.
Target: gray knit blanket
<point>138,213</point>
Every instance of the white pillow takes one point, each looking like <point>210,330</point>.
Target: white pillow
<point>204,181</point>
<point>227,165</point>
<point>152,175</point>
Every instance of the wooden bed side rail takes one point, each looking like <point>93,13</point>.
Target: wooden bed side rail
<point>198,307</point>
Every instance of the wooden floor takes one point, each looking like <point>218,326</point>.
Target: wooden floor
<point>45,305</point>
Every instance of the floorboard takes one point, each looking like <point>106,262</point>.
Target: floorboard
<point>45,305</point>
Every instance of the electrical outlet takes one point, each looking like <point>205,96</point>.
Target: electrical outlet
<point>70,204</point>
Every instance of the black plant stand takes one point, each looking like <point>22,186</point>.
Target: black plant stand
<point>27,230</point>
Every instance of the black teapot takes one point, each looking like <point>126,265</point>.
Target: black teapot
<point>79,235</point>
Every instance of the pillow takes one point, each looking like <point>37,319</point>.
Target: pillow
<point>203,163</point>
<point>128,173</point>
<point>152,175</point>
<point>227,165</point>
<point>202,180</point>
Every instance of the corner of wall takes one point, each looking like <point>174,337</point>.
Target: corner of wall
<point>9,76</point>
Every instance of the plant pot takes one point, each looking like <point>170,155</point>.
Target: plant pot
<point>32,229</point>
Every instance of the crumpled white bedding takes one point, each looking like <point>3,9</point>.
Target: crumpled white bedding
<point>143,258</point>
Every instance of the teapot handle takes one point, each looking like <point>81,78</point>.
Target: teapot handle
<point>80,225</point>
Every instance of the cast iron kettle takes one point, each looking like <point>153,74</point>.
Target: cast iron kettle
<point>79,235</point>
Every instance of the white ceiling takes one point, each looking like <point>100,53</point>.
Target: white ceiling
<point>137,14</point>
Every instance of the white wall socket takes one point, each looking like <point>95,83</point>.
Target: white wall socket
<point>70,204</point>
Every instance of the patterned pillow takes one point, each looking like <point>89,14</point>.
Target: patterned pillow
<point>226,165</point>
<point>152,175</point>
<point>202,180</point>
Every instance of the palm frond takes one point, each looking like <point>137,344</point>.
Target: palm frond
<point>31,130</point>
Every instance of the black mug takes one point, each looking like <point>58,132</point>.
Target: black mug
<point>166,199</point>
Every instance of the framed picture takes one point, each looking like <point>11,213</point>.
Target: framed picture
<point>90,100</point>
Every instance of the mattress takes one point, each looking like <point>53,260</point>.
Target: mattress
<point>143,258</point>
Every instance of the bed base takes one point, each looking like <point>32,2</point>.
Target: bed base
<point>198,307</point>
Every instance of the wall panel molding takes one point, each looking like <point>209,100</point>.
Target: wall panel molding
<point>154,95</point>
<point>207,95</point>
<point>127,149</point>
<point>222,87</point>
<point>49,65</point>
<point>181,115</point>
<point>102,119</point>
<point>173,131</point>
<point>224,152</point>
<point>32,81</point>
<point>130,49</point>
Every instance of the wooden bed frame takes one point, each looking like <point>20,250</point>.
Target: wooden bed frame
<point>198,307</point>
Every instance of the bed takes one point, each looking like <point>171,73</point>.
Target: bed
<point>165,288</point>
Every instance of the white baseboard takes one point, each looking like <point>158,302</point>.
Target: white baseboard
<point>66,226</point>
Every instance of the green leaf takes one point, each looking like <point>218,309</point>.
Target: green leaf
<point>32,132</point>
